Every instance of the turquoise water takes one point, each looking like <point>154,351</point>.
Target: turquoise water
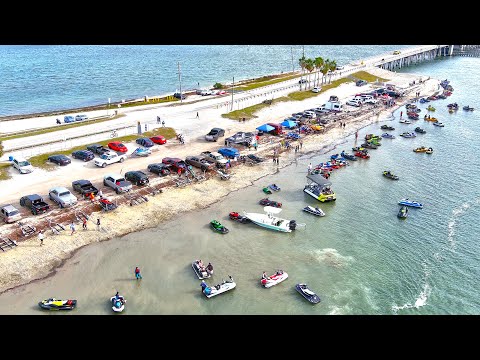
<point>360,258</point>
<point>52,77</point>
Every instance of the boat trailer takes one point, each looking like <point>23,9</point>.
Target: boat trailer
<point>27,229</point>
<point>55,227</point>
<point>7,244</point>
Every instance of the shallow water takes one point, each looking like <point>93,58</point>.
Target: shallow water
<point>359,258</point>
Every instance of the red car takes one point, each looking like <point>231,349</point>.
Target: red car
<point>158,139</point>
<point>175,164</point>
<point>117,146</point>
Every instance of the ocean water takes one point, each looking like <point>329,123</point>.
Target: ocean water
<point>360,258</point>
<point>53,77</point>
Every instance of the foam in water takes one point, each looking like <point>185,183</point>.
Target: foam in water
<point>331,257</point>
<point>456,214</point>
<point>419,302</point>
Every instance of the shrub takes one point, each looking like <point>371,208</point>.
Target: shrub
<point>218,86</point>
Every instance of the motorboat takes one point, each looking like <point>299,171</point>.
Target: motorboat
<point>266,190</point>
<point>408,134</point>
<point>439,124</point>
<point>216,226</point>
<point>270,221</point>
<point>118,303</point>
<point>237,217</point>
<point>388,136</point>
<point>410,203</point>
<point>274,187</point>
<point>468,108</point>
<point>403,212</point>
<point>218,289</point>
<point>405,121</point>
<point>307,293</point>
<point>430,108</point>
<point>420,130</point>
<point>274,279</point>
<point>386,127</point>
<point>348,156</point>
<point>56,304</point>
<point>314,210</point>
<point>319,188</point>
<point>268,202</point>
<point>202,272</point>
<point>389,175</point>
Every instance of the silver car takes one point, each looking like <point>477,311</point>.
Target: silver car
<point>62,196</point>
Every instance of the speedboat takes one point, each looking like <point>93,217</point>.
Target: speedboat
<point>237,217</point>
<point>348,156</point>
<point>274,279</point>
<point>389,175</point>
<point>430,108</point>
<point>408,135</point>
<point>388,136</point>
<point>55,304</point>
<point>268,202</point>
<point>420,130</point>
<point>274,187</point>
<point>141,151</point>
<point>225,286</point>
<point>403,212</point>
<point>307,293</point>
<point>269,221</point>
<point>439,124</point>
<point>386,127</point>
<point>216,226</point>
<point>468,108</point>
<point>410,203</point>
<point>118,303</point>
<point>315,211</point>
<point>201,271</point>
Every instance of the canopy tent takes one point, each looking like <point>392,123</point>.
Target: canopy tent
<point>319,179</point>
<point>289,124</point>
<point>265,128</point>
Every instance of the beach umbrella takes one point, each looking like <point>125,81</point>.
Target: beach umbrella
<point>265,128</point>
<point>288,123</point>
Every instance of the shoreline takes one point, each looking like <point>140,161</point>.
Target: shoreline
<point>22,266</point>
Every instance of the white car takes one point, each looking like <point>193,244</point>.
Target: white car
<point>340,67</point>
<point>316,89</point>
<point>107,159</point>
<point>371,101</point>
<point>22,165</point>
<point>206,92</point>
<point>62,196</point>
<point>354,102</point>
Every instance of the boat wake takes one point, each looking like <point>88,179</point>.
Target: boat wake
<point>457,213</point>
<point>419,302</point>
<point>331,257</point>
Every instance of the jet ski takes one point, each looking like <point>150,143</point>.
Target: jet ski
<point>266,190</point>
<point>274,279</point>
<point>403,212</point>
<point>307,293</point>
<point>386,127</point>
<point>315,211</point>
<point>439,124</point>
<point>388,136</point>
<point>348,156</point>
<point>468,108</point>
<point>420,130</point>
<point>219,288</point>
<point>216,226</point>
<point>411,203</point>
<point>389,175</point>
<point>55,304</point>
<point>237,217</point>
<point>405,121</point>
<point>268,202</point>
<point>118,303</point>
<point>274,187</point>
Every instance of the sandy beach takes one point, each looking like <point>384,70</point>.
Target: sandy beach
<point>30,261</point>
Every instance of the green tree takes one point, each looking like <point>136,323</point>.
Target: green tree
<point>318,65</point>
<point>309,66</point>
<point>218,86</point>
<point>332,66</point>
<point>325,68</point>
<point>301,62</point>
<point>1,149</point>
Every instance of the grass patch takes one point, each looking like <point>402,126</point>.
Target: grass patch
<point>4,173</point>
<point>248,112</point>
<point>264,81</point>
<point>151,101</point>
<point>302,95</point>
<point>363,75</point>
<point>40,161</point>
<point>56,128</point>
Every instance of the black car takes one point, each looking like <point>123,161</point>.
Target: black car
<point>214,134</point>
<point>146,142</point>
<point>179,96</point>
<point>85,155</point>
<point>97,149</point>
<point>393,94</point>
<point>59,159</point>
<point>137,177</point>
<point>159,169</point>
<point>361,83</point>
<point>302,81</point>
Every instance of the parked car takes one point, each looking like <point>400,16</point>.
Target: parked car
<point>242,138</point>
<point>159,169</point>
<point>97,149</point>
<point>302,81</point>
<point>179,96</point>
<point>68,119</point>
<point>229,152</point>
<point>117,146</point>
<point>361,83</point>
<point>354,102</point>
<point>137,177</point>
<point>309,114</point>
<point>206,92</point>
<point>394,94</point>
<point>23,166</point>
<point>10,213</point>
<point>340,67</point>
<point>159,139</point>
<point>84,187</point>
<point>146,142</point>
<point>59,159</point>
<point>175,164</point>
<point>62,196</point>
<point>218,158</point>
<point>109,158</point>
<point>117,182</point>
<point>85,155</point>
<point>81,117</point>
<point>200,162</point>
<point>370,101</point>
<point>214,134</point>
<point>35,203</point>
<point>396,52</point>
<point>316,89</point>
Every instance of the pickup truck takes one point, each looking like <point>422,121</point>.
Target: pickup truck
<point>35,203</point>
<point>117,182</point>
<point>97,149</point>
<point>242,138</point>
<point>218,158</point>
<point>214,134</point>
<point>201,162</point>
<point>84,187</point>
<point>110,158</point>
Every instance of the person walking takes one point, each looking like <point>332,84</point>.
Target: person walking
<point>255,145</point>
<point>137,273</point>
<point>84,224</point>
<point>158,119</point>
<point>163,123</point>
<point>40,237</point>
<point>301,144</point>
<point>401,113</point>
<point>72,227</point>
<point>98,224</point>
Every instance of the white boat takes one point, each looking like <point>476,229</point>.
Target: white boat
<point>269,221</point>
<point>118,303</point>
<point>405,121</point>
<point>315,211</point>
<point>204,273</point>
<point>436,123</point>
<point>274,279</point>
<point>226,285</point>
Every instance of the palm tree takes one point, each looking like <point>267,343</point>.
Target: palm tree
<point>309,65</point>
<point>325,68</point>
<point>301,62</point>
<point>318,65</point>
<point>332,67</point>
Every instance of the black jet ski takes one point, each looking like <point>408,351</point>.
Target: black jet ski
<point>307,293</point>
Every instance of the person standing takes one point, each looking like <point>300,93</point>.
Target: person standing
<point>98,224</point>
<point>158,119</point>
<point>310,168</point>
<point>40,237</point>
<point>163,123</point>
<point>84,223</point>
<point>301,143</point>
<point>198,117</point>
<point>72,227</point>
<point>401,113</point>
<point>137,273</point>
<point>255,145</point>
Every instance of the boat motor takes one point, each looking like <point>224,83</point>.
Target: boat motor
<point>292,225</point>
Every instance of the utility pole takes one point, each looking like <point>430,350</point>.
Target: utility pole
<point>233,89</point>
<point>293,66</point>
<point>180,81</point>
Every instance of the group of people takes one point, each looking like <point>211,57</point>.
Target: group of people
<point>203,268</point>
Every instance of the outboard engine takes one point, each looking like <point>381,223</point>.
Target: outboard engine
<point>292,225</point>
